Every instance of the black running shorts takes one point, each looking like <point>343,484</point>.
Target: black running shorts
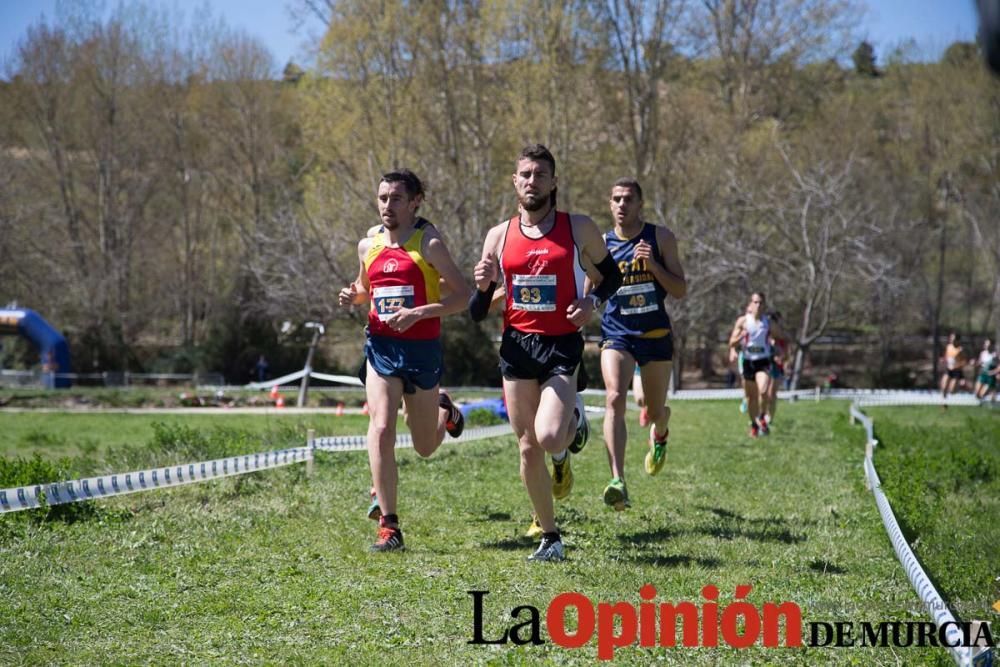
<point>530,356</point>
<point>753,366</point>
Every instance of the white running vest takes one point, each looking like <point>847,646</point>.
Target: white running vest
<point>756,343</point>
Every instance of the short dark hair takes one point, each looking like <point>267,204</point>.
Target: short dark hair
<point>538,153</point>
<point>409,180</point>
<point>763,299</point>
<point>627,182</point>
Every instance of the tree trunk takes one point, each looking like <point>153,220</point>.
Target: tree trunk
<point>800,360</point>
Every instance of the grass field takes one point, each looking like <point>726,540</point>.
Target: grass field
<point>273,567</point>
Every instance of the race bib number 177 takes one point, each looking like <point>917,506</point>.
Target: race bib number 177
<point>388,300</point>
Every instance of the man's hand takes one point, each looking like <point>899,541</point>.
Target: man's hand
<point>579,311</point>
<point>349,295</point>
<point>403,319</point>
<point>643,250</point>
<point>487,271</point>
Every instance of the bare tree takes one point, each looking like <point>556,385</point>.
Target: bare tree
<point>746,36</point>
<point>643,40</point>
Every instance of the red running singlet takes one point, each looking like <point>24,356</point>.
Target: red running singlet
<point>542,277</point>
<point>400,277</point>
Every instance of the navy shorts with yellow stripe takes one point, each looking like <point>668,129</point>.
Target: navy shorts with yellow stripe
<point>643,350</point>
<point>418,363</point>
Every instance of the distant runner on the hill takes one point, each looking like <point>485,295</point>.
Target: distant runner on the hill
<point>752,334</point>
<point>954,366</point>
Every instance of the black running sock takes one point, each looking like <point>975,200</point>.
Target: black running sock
<point>552,537</point>
<point>391,521</point>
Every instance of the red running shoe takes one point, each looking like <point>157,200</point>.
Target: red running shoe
<point>389,539</point>
<point>456,420</point>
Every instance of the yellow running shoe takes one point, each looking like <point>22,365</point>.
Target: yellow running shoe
<point>535,529</point>
<point>562,478</point>
<point>656,457</point>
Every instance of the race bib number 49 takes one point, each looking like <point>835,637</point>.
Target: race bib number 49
<point>637,299</point>
<point>537,293</point>
<point>388,300</point>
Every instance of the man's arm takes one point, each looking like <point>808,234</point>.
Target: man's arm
<point>457,287</point>
<point>356,293</point>
<point>668,270</point>
<point>778,332</point>
<point>436,253</point>
<point>593,251</point>
<point>489,291</point>
<point>737,334</point>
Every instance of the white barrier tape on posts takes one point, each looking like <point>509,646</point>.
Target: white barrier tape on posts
<point>351,443</point>
<point>865,420</point>
<point>340,379</point>
<point>918,578</point>
<point>58,493</point>
<point>929,596</point>
<point>966,400</point>
<point>291,377</point>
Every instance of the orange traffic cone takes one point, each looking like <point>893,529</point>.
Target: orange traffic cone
<point>340,409</point>
<point>274,392</point>
<point>280,403</point>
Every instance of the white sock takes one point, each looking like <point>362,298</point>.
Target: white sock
<point>560,456</point>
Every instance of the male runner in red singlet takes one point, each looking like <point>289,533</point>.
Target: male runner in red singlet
<point>536,257</point>
<point>401,268</point>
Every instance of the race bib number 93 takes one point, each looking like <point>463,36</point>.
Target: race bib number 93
<point>537,293</point>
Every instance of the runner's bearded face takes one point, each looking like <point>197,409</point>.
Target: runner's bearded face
<point>395,207</point>
<point>625,206</point>
<point>533,182</point>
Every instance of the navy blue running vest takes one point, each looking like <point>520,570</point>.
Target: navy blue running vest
<point>637,308</point>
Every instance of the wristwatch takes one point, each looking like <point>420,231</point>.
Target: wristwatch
<point>596,300</point>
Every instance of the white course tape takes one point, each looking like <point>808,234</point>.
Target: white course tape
<point>58,493</point>
<point>341,379</point>
<point>865,420</point>
<point>351,380</point>
<point>351,443</point>
<point>29,497</point>
<point>931,599</point>
<point>291,377</point>
<point>967,400</point>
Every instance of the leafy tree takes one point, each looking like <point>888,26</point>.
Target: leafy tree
<point>864,60</point>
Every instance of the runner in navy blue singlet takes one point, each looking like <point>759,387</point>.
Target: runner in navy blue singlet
<point>636,330</point>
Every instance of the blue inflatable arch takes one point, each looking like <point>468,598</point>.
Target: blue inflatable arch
<point>51,345</point>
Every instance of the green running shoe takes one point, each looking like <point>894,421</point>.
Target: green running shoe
<point>616,495</point>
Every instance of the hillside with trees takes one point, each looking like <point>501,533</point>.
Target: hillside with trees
<point>168,201</point>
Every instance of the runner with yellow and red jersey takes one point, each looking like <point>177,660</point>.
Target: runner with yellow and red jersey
<point>401,266</point>
<point>400,277</point>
